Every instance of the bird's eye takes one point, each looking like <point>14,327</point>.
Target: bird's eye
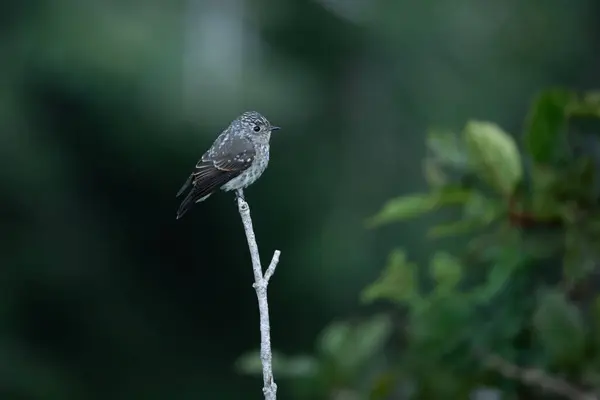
<point>256,128</point>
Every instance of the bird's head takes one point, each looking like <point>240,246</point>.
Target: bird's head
<point>256,124</point>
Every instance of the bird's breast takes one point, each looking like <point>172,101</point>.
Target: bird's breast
<point>249,176</point>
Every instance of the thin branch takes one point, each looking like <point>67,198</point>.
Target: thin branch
<point>537,377</point>
<point>272,265</point>
<point>260,285</point>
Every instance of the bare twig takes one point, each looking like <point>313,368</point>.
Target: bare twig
<point>537,377</point>
<point>272,265</point>
<point>260,285</point>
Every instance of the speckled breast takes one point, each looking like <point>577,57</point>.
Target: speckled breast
<point>248,177</point>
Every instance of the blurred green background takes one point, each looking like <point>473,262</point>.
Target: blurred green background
<point>106,106</point>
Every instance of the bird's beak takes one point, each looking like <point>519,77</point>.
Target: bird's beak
<point>275,128</point>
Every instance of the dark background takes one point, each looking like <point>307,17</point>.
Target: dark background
<point>106,106</point>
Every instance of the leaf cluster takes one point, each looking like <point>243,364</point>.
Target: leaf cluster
<point>524,289</point>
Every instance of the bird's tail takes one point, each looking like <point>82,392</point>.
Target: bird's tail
<point>185,186</point>
<point>186,204</point>
<point>189,200</point>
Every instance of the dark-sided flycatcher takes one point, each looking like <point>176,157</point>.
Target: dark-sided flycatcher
<point>237,158</point>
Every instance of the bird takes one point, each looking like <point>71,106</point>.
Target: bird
<point>236,159</point>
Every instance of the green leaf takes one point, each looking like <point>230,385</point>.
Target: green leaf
<point>438,325</point>
<point>333,339</point>
<point>498,277</point>
<point>493,155</point>
<point>301,366</point>
<point>369,338</point>
<point>249,364</point>
<point>588,106</point>
<point>546,123</point>
<point>397,283</point>
<point>560,327</point>
<point>348,348</point>
<point>403,208</point>
<point>447,149</point>
<point>482,207</point>
<point>544,180</point>
<point>479,211</point>
<point>556,193</point>
<point>446,270</point>
<point>415,205</point>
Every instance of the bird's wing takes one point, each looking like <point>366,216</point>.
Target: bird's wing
<point>214,171</point>
<point>224,161</point>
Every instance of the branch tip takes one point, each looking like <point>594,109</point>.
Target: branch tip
<point>271,270</point>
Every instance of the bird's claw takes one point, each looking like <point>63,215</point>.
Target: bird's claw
<point>239,195</point>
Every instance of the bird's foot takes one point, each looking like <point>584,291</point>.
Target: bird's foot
<point>239,195</point>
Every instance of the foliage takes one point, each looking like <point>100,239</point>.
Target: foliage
<point>522,292</point>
